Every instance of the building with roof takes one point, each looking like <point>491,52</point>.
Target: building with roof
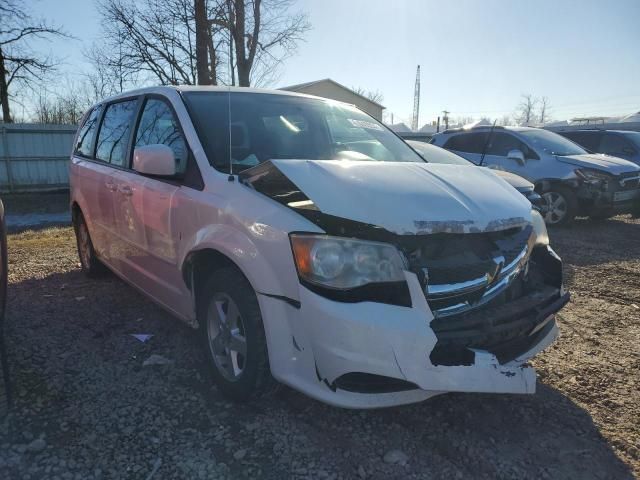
<point>328,88</point>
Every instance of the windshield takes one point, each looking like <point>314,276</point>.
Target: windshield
<point>269,126</point>
<point>549,142</point>
<point>433,154</point>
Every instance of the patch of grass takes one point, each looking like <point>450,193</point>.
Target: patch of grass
<point>41,238</point>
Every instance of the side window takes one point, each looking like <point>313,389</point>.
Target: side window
<point>613,144</point>
<point>114,132</point>
<point>158,125</point>
<point>503,143</point>
<point>468,142</point>
<point>84,144</point>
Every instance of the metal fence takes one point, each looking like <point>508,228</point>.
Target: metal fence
<point>34,157</point>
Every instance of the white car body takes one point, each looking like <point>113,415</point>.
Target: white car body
<point>150,232</point>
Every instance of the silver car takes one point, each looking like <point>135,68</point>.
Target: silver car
<point>571,180</point>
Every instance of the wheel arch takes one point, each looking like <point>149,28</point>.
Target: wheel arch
<point>543,185</point>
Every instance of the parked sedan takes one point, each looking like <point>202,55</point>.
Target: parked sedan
<point>571,180</point>
<point>434,154</point>
<point>311,246</point>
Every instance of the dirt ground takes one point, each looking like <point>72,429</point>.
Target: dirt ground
<point>86,407</point>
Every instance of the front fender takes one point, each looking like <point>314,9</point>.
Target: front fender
<point>262,253</point>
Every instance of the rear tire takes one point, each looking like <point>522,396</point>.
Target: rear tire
<point>232,334</point>
<point>562,205</point>
<point>91,265</point>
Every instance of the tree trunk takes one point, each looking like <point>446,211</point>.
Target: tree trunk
<point>202,40</point>
<point>242,64</point>
<point>4,91</point>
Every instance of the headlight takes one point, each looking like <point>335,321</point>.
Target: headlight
<point>592,176</point>
<point>342,263</point>
<point>539,229</point>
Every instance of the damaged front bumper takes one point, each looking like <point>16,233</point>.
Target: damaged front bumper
<point>368,355</point>
<point>617,195</point>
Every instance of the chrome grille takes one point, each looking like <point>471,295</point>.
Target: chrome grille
<point>460,272</point>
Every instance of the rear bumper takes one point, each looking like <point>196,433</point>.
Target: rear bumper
<point>316,347</point>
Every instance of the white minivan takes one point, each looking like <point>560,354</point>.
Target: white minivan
<point>312,247</point>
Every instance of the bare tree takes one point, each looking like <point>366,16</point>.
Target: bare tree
<point>264,34</point>
<point>374,96</point>
<point>202,41</point>
<point>525,110</point>
<point>155,37</point>
<point>544,110</point>
<point>464,120</point>
<point>110,73</point>
<point>505,120</point>
<point>64,110</point>
<point>20,66</point>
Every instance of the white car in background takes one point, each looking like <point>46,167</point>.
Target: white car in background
<point>311,246</point>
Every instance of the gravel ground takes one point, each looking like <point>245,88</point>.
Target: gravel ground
<point>87,407</point>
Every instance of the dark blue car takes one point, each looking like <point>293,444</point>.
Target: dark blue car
<point>617,143</point>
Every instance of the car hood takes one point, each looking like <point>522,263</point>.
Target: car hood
<point>516,181</point>
<point>612,165</point>
<point>404,198</point>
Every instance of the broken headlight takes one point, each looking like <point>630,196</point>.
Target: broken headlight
<point>344,263</point>
<point>539,229</point>
<point>594,177</point>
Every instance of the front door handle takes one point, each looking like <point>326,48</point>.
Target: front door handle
<point>126,190</point>
<point>112,187</point>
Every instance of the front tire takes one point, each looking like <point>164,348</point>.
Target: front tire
<point>91,265</point>
<point>562,205</point>
<point>232,332</point>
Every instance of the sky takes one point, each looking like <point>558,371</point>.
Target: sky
<point>477,57</point>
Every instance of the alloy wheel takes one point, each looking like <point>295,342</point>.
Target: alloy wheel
<point>226,334</point>
<point>556,207</point>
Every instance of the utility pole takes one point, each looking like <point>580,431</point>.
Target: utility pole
<point>445,117</point>
<point>416,102</point>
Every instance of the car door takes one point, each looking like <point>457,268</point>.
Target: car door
<point>501,144</point>
<point>111,151</point>
<point>92,183</point>
<point>146,211</point>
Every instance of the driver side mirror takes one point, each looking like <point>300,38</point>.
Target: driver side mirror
<point>158,160</point>
<point>516,155</point>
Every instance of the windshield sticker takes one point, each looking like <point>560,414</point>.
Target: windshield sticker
<point>364,124</point>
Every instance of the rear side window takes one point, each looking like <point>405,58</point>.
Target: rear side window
<point>158,125</point>
<point>588,140</point>
<point>84,145</point>
<point>467,142</point>
<point>114,133</point>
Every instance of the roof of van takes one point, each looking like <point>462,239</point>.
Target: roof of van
<point>208,88</point>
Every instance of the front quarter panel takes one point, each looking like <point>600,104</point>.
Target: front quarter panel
<point>248,228</point>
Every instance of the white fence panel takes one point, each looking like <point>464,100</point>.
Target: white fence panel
<point>34,157</point>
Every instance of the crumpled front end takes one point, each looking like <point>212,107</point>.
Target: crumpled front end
<point>483,289</point>
<point>370,354</point>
